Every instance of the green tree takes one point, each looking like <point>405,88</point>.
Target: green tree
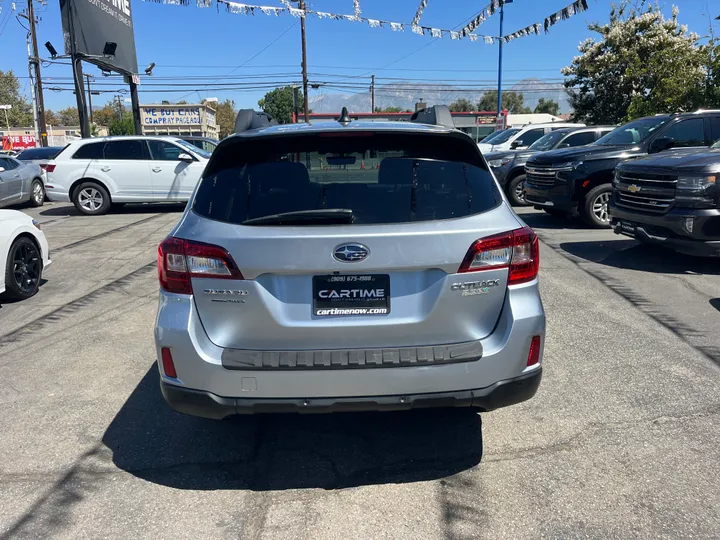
<point>225,117</point>
<point>461,105</point>
<point>641,64</point>
<point>104,116</point>
<point>712,85</point>
<point>20,113</point>
<point>513,102</point>
<point>278,103</point>
<point>51,119</point>
<point>547,106</point>
<point>69,116</point>
<point>388,110</point>
<point>122,126</point>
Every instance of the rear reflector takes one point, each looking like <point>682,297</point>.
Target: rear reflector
<point>516,250</point>
<point>167,361</point>
<point>50,167</point>
<point>180,260</point>
<point>534,353</point>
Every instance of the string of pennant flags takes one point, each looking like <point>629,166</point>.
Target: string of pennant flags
<point>468,31</point>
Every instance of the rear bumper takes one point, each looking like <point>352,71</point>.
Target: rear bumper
<point>670,230</point>
<point>208,405</point>
<point>234,378</point>
<point>56,193</point>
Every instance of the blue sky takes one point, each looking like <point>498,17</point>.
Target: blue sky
<point>187,41</point>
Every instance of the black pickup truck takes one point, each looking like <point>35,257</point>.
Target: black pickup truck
<point>509,165</point>
<point>672,200</point>
<point>579,180</point>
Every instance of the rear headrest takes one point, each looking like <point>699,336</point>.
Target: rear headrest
<point>396,170</point>
<point>286,175</point>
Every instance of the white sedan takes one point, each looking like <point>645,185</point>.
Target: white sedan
<point>24,254</point>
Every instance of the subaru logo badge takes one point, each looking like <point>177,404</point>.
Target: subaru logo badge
<point>351,253</point>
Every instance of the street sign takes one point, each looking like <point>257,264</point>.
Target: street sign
<point>5,107</point>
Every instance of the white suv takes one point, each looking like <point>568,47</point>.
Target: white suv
<point>519,138</point>
<point>95,173</point>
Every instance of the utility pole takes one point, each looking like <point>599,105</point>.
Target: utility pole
<point>80,95</point>
<point>372,93</point>
<point>301,5</point>
<point>88,77</point>
<point>296,100</point>
<point>33,101</point>
<point>135,104</point>
<point>40,109</point>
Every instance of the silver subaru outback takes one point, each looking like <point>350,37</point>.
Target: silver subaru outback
<point>348,266</point>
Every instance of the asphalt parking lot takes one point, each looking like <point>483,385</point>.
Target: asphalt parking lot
<point>621,441</point>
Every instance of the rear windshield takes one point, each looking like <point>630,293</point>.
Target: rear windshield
<point>379,177</point>
<point>39,153</point>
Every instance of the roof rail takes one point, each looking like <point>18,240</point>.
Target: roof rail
<point>247,119</point>
<point>706,110</point>
<point>437,115</point>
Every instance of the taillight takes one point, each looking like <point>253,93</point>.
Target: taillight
<point>516,250</point>
<point>180,260</point>
<point>50,167</point>
<point>534,353</point>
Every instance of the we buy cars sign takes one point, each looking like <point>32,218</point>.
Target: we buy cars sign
<point>18,142</point>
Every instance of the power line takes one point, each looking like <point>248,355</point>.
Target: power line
<point>255,55</point>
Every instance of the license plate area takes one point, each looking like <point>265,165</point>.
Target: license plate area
<point>627,228</point>
<point>351,295</point>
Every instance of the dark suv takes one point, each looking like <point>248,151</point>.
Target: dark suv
<point>509,165</point>
<point>672,200</point>
<point>579,180</point>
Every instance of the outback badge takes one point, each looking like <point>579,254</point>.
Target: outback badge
<point>471,288</point>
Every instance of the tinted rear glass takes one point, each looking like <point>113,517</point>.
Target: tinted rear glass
<point>89,151</point>
<point>127,149</point>
<point>381,177</point>
<point>39,153</point>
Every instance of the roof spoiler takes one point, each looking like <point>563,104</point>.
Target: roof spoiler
<point>249,119</point>
<point>437,115</point>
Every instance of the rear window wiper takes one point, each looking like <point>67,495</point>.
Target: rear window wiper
<point>329,216</point>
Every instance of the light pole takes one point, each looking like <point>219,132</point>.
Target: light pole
<point>500,47</point>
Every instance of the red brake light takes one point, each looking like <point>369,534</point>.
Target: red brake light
<point>179,260</point>
<point>517,250</point>
<point>167,362</point>
<point>534,353</point>
<point>50,167</point>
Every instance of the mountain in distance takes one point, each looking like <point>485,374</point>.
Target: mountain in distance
<point>534,89</point>
<point>398,95</point>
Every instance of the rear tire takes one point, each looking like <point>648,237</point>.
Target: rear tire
<point>595,207</point>
<point>514,191</point>
<point>37,193</point>
<point>23,270</point>
<point>91,199</point>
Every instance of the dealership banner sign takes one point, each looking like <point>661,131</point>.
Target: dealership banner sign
<point>173,116</point>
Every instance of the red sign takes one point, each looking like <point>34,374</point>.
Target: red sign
<point>18,142</point>
<point>501,121</point>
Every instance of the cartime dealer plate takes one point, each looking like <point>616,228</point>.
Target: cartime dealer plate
<point>344,295</point>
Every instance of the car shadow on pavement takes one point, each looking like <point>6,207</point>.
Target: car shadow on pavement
<point>70,210</point>
<point>284,451</point>
<point>715,302</point>
<point>632,255</point>
<point>543,220</point>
